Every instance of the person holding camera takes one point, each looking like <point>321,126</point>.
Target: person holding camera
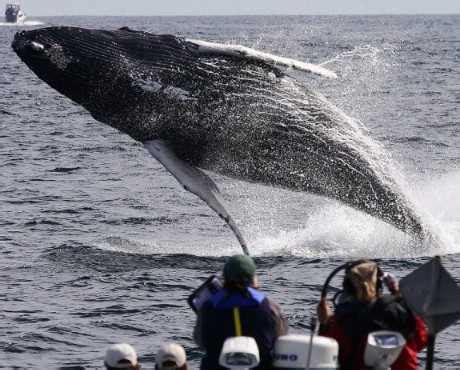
<point>238,309</point>
<point>362,309</point>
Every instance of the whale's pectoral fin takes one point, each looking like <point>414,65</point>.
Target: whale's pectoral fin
<point>195,181</point>
<point>206,48</point>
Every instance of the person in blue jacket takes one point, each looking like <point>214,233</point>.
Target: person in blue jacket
<point>239,308</point>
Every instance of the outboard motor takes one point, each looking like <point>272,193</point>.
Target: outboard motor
<point>239,353</point>
<point>293,352</point>
<point>383,348</point>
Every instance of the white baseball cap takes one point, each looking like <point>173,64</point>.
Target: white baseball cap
<point>170,352</point>
<point>120,356</point>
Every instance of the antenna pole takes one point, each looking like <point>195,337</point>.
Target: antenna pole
<point>430,352</point>
<point>313,328</point>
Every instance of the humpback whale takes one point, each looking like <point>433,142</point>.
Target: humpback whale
<point>231,110</point>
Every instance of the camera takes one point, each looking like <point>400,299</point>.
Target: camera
<point>211,286</point>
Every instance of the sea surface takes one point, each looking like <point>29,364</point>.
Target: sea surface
<point>99,244</point>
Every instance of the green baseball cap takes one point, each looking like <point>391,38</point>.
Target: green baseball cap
<point>239,268</point>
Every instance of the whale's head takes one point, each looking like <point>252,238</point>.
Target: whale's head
<point>117,73</point>
<point>64,58</point>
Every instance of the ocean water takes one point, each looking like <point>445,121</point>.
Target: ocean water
<point>99,244</point>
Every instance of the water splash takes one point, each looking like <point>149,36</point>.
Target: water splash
<point>337,231</point>
<point>361,52</point>
<point>363,74</point>
<point>334,230</point>
<point>441,199</point>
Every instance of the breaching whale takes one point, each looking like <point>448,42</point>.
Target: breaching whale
<point>226,109</point>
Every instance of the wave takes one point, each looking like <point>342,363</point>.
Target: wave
<point>22,24</point>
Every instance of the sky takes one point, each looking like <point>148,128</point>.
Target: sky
<point>236,7</point>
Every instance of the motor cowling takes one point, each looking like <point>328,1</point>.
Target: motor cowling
<point>292,351</point>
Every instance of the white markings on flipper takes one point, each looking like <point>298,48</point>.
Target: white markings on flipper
<point>240,51</point>
<point>194,181</point>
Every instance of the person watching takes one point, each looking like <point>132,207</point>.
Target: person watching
<point>121,356</point>
<point>171,356</point>
<point>239,308</point>
<point>362,309</point>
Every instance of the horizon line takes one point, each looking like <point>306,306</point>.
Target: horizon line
<point>243,15</point>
